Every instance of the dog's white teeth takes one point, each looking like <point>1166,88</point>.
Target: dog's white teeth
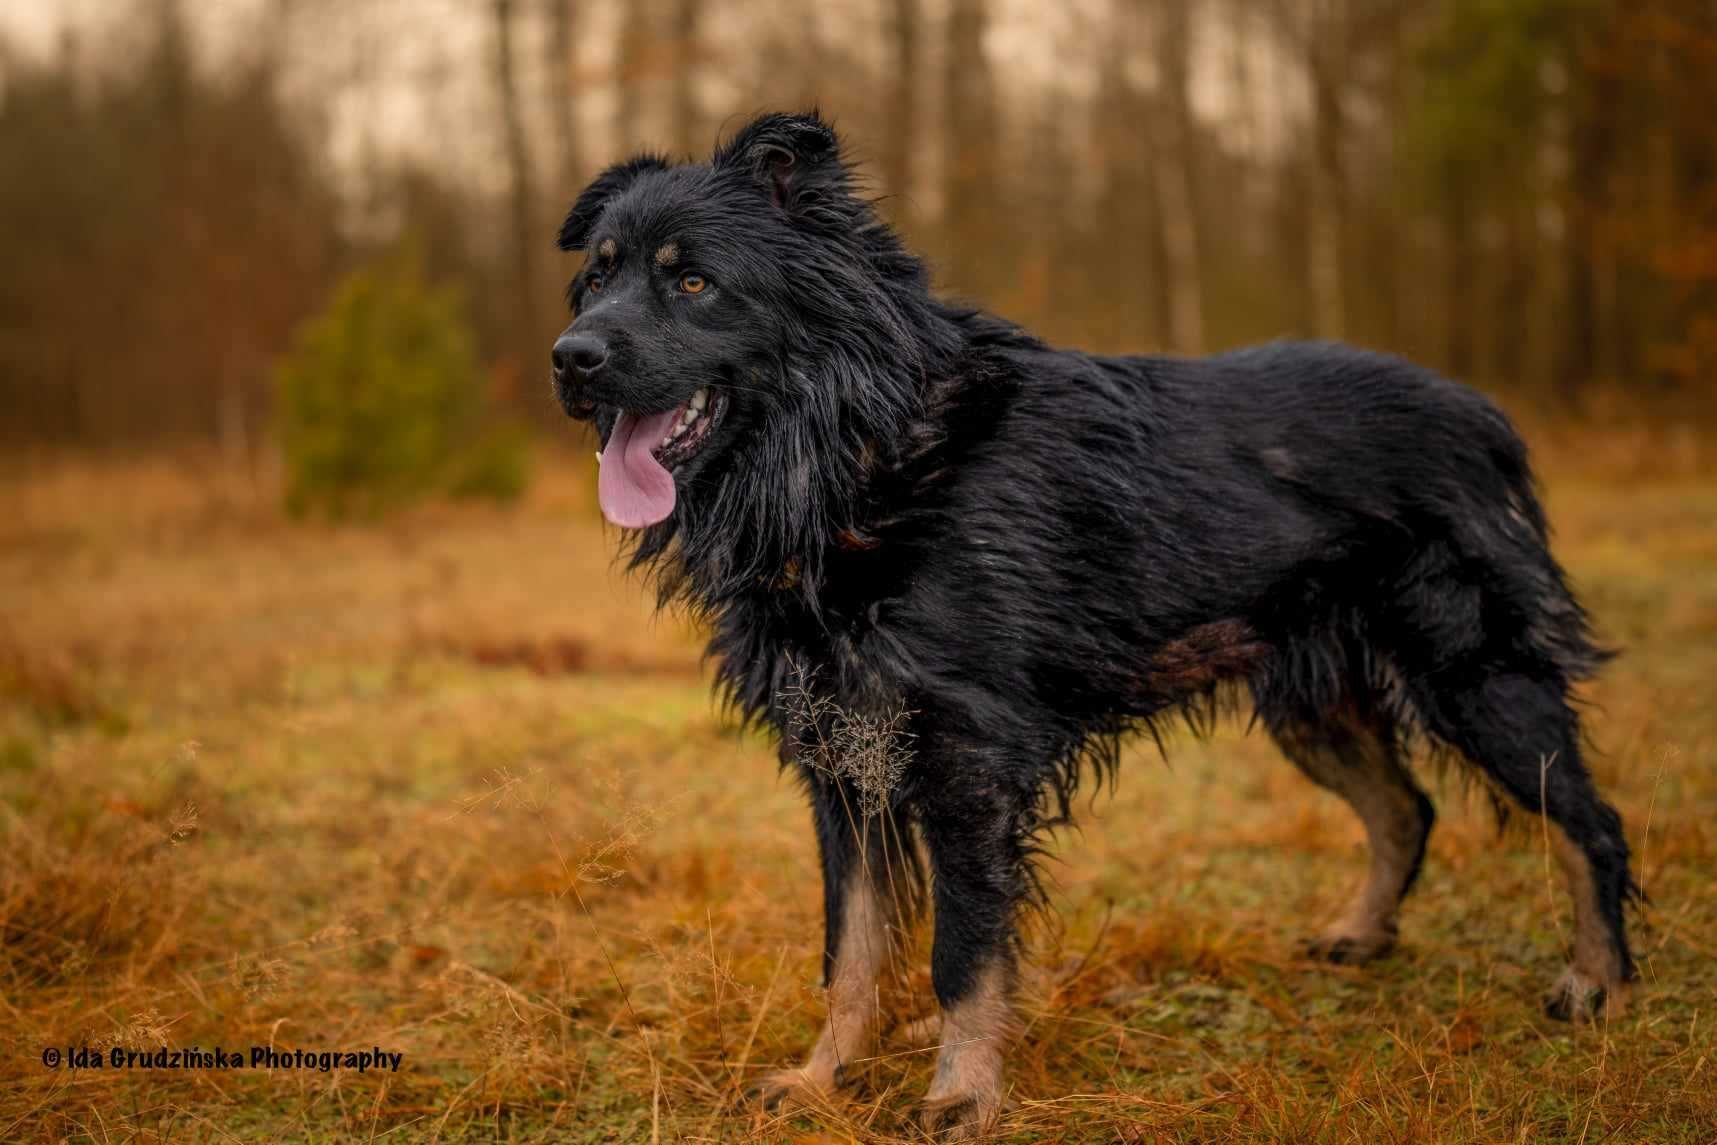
<point>688,417</point>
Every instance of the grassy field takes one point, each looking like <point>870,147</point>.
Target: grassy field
<point>444,787</point>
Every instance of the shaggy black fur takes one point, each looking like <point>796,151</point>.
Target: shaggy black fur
<point>910,506</point>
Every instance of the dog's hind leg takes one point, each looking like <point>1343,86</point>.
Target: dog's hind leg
<point>1358,758</point>
<point>1518,727</point>
<point>870,885</point>
<point>1487,639</point>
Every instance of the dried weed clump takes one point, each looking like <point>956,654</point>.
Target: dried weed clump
<point>68,899</point>
<point>870,752</point>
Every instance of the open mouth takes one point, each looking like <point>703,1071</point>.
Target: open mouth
<point>636,484</point>
<point>691,428</point>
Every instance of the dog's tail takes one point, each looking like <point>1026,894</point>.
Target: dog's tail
<point>1505,534</point>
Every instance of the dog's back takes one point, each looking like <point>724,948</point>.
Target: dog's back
<point>1087,512</point>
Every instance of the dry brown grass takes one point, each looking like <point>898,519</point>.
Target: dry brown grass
<point>447,788</point>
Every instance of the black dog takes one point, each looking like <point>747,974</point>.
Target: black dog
<point>951,567</point>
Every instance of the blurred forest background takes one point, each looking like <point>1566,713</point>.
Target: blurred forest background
<point>446,783</point>
<point>1520,192</point>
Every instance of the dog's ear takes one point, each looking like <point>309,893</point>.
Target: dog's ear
<point>789,155</point>
<point>581,220</point>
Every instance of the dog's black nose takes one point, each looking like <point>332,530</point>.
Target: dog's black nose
<point>579,356</point>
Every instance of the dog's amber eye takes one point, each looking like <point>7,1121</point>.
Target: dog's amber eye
<point>594,286</point>
<point>693,283</point>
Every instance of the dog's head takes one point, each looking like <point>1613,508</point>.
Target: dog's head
<point>701,284</point>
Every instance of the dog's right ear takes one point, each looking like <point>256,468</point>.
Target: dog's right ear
<point>581,220</point>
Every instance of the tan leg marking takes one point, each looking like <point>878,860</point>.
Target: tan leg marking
<point>921,1033</point>
<point>850,1030</point>
<point>1592,987</point>
<point>965,1097</point>
<point>1365,771</point>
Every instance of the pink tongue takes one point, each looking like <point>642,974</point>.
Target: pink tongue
<point>634,489</point>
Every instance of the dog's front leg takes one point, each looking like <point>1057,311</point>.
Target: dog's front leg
<point>868,886</point>
<point>976,827</point>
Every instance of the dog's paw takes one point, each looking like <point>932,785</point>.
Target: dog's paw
<point>1347,949</point>
<point>961,1117</point>
<point>1579,998</point>
<point>791,1089</point>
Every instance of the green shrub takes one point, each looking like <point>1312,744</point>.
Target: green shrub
<point>381,402</point>
<point>496,466</point>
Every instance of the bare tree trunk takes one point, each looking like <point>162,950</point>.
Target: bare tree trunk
<point>1393,237</point>
<point>903,115</point>
<point>524,231</point>
<point>971,139</point>
<point>1326,204</point>
<point>1508,335</point>
<point>562,92</point>
<point>688,131</point>
<point>1129,227</point>
<point>630,68</point>
<point>1174,180</point>
<point>1589,152</point>
<point>1239,19</point>
<point>1459,273</point>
